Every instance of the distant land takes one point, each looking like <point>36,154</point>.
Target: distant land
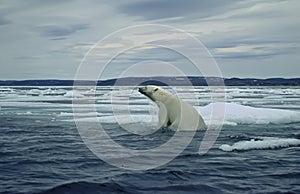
<point>173,81</point>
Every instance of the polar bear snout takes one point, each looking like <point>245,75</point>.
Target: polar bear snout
<point>145,91</point>
<point>142,90</point>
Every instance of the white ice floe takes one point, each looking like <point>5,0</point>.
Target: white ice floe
<point>72,93</point>
<point>263,143</point>
<point>240,114</point>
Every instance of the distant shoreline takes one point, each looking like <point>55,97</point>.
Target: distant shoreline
<point>173,81</point>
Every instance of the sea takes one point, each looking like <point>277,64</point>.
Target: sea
<point>43,148</point>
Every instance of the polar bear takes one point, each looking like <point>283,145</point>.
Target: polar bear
<point>173,112</point>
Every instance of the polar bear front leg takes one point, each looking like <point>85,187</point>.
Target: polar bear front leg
<point>163,119</point>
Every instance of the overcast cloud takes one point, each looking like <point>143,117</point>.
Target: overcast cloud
<point>48,39</point>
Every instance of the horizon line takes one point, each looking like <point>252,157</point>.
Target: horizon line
<point>192,76</point>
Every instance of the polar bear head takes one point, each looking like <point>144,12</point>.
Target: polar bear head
<point>155,93</point>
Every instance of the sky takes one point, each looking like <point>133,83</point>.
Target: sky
<point>50,39</point>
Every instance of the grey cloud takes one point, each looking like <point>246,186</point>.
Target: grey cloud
<point>4,21</point>
<point>60,38</point>
<point>9,9</point>
<point>249,55</point>
<point>61,31</point>
<point>14,6</point>
<point>165,57</point>
<point>146,54</point>
<point>168,8</point>
<point>260,50</point>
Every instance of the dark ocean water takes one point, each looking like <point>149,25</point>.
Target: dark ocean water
<point>42,152</point>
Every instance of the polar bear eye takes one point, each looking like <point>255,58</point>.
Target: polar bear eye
<point>155,89</point>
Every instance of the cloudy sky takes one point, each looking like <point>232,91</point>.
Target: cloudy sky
<point>48,39</point>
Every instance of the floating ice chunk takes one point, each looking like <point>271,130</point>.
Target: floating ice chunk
<point>264,143</point>
<point>24,113</point>
<point>53,92</point>
<point>83,114</point>
<point>73,94</point>
<point>34,92</point>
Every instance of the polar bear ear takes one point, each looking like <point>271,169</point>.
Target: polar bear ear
<point>155,89</point>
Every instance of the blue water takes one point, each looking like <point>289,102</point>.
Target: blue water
<point>42,152</point>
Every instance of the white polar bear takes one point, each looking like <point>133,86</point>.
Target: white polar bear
<point>173,112</point>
